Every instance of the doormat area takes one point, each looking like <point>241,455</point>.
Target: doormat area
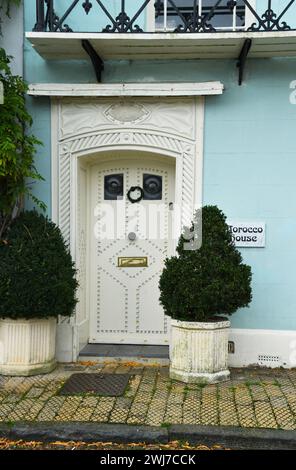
<point>109,385</point>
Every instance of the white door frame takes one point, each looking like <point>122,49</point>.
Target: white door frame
<point>69,147</point>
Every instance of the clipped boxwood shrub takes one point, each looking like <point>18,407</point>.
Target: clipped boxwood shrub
<point>201,284</point>
<point>37,275</point>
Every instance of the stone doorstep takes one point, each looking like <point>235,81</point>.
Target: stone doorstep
<point>143,354</point>
<point>227,436</point>
<point>156,361</point>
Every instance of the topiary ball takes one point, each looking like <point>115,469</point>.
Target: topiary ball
<point>37,274</point>
<point>203,283</point>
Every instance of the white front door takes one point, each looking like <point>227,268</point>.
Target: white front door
<point>129,242</point>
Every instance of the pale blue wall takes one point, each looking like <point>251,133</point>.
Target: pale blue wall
<point>249,158</point>
<point>12,39</point>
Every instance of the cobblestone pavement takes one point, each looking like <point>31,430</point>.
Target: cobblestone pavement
<point>263,398</point>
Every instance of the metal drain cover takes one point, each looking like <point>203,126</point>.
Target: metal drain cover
<point>111,385</point>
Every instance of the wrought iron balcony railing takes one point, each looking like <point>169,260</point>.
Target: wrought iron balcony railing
<point>178,16</point>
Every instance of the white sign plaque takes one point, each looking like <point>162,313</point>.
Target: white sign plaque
<point>247,234</point>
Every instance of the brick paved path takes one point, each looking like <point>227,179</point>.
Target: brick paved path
<point>252,398</point>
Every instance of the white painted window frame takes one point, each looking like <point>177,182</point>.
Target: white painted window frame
<point>150,18</point>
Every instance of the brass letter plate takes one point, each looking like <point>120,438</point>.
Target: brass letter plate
<point>128,262</point>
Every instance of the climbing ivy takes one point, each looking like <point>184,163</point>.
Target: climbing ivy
<point>17,146</point>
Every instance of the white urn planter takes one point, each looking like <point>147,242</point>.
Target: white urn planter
<point>199,351</point>
<point>27,347</point>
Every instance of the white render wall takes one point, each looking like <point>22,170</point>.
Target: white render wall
<point>12,39</point>
<point>265,348</point>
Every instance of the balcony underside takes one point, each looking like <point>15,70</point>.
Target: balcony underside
<point>167,46</point>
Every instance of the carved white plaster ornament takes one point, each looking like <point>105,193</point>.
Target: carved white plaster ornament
<point>126,112</point>
<point>164,126</point>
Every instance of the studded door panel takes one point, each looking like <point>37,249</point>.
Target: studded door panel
<point>125,301</point>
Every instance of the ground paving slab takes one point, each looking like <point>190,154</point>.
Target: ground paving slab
<point>254,399</point>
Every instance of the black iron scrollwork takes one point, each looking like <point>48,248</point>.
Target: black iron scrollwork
<point>56,23</point>
<point>268,21</point>
<point>231,4</point>
<point>123,23</point>
<point>158,6</point>
<point>193,18</point>
<point>87,6</point>
<point>195,23</point>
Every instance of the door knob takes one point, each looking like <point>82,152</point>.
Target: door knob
<point>132,236</point>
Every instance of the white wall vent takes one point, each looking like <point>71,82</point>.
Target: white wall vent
<point>269,360</point>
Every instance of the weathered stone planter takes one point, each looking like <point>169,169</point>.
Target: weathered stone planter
<point>27,347</point>
<point>199,351</point>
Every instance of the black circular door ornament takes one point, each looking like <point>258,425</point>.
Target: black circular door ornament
<point>135,194</point>
<point>152,185</point>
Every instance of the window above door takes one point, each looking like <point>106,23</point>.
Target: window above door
<point>181,15</point>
